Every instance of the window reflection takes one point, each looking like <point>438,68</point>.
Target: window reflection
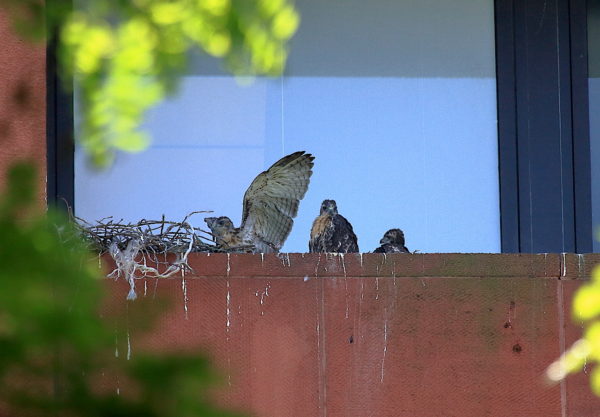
<point>397,101</point>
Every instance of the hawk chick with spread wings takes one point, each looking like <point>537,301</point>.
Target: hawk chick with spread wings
<point>270,204</point>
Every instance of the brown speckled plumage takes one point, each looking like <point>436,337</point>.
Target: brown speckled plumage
<point>331,232</point>
<point>321,223</point>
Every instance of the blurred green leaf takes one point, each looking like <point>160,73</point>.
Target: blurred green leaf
<point>586,303</point>
<point>125,56</point>
<point>586,310</point>
<point>54,346</point>
<point>595,381</point>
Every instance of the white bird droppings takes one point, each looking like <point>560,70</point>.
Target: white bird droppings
<point>384,349</point>
<point>128,346</point>
<point>228,310</point>
<point>185,298</point>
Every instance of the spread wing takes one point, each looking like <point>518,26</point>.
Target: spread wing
<point>271,201</point>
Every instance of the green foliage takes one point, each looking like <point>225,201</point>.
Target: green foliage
<point>54,346</point>
<point>586,309</point>
<point>127,55</point>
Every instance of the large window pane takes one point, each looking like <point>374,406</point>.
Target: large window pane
<point>397,101</point>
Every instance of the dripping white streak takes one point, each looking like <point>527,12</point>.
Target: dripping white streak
<point>128,346</point>
<point>561,341</point>
<point>185,298</point>
<point>343,263</point>
<point>262,297</point>
<point>322,354</point>
<point>319,356</point>
<point>228,308</point>
<point>228,313</point>
<point>228,266</point>
<point>384,346</point>
<point>346,295</point>
<point>345,282</point>
<point>317,267</point>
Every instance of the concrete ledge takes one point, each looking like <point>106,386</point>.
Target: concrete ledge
<point>408,335</point>
<point>312,265</point>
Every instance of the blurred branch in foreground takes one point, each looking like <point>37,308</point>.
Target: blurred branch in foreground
<point>586,309</point>
<point>126,56</point>
<point>54,346</point>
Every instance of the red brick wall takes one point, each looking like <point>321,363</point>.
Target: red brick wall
<point>22,103</point>
<point>403,335</point>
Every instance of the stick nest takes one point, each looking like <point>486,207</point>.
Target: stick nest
<point>133,245</point>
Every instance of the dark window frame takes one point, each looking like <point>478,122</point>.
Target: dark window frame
<point>60,149</point>
<point>543,124</point>
<point>581,127</point>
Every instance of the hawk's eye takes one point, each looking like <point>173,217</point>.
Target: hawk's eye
<point>221,222</point>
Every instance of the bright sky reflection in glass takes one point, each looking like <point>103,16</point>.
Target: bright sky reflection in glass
<point>397,103</point>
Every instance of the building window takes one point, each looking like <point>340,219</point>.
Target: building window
<point>397,101</point>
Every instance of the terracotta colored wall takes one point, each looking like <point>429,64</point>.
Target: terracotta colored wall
<point>22,103</point>
<point>403,335</point>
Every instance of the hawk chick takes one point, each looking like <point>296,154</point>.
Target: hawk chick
<point>270,204</point>
<point>392,242</point>
<point>331,232</point>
